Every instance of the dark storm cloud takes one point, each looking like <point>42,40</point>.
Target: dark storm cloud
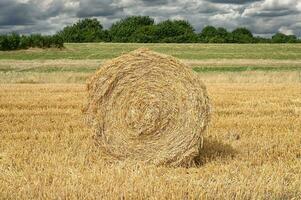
<point>233,1</point>
<point>31,16</point>
<point>13,13</point>
<point>263,17</point>
<point>155,2</point>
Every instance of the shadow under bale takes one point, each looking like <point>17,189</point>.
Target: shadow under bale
<point>213,150</point>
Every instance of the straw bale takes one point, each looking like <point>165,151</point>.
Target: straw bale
<point>149,107</point>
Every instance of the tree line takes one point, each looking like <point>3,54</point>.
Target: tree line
<point>15,41</point>
<point>142,29</point>
<point>138,29</point>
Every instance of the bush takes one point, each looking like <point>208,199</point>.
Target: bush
<point>9,42</point>
<point>261,40</point>
<point>57,41</point>
<point>4,43</point>
<point>14,41</point>
<point>186,38</point>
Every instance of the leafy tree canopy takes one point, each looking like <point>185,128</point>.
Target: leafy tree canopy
<point>282,38</point>
<point>122,30</point>
<point>242,35</point>
<point>86,30</point>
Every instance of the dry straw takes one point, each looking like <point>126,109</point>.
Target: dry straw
<point>145,106</point>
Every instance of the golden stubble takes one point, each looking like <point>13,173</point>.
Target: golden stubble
<point>251,149</point>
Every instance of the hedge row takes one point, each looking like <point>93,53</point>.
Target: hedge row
<point>138,29</point>
<point>14,41</point>
<point>143,29</point>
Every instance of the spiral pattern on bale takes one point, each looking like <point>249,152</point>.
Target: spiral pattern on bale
<point>145,106</point>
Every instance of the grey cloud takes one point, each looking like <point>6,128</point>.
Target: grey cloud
<point>56,7</point>
<point>272,9</point>
<point>13,13</point>
<point>29,17</point>
<point>95,8</point>
<point>275,13</point>
<point>203,7</point>
<point>273,16</point>
<point>233,1</point>
<point>155,2</point>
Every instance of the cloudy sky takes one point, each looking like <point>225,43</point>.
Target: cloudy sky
<point>262,17</point>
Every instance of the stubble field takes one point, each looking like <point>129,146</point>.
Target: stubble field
<point>252,149</point>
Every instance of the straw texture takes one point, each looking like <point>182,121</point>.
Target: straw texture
<point>145,106</point>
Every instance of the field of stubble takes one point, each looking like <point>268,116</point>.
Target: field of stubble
<point>252,149</point>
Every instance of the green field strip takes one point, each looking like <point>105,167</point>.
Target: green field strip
<point>246,68</point>
<point>200,69</point>
<point>182,51</point>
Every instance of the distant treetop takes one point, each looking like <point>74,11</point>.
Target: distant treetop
<point>139,29</point>
<point>143,29</point>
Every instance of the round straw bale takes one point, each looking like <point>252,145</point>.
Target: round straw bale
<point>145,106</point>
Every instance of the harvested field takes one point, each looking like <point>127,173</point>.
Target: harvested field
<point>220,70</point>
<point>252,149</point>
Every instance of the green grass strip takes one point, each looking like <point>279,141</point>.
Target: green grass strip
<point>197,69</point>
<point>246,68</point>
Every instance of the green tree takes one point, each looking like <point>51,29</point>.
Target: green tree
<point>220,35</point>
<point>24,42</point>
<point>14,41</point>
<point>46,41</point>
<point>57,41</point>
<point>261,40</point>
<point>282,38</point>
<point>145,34</point>
<point>186,38</point>
<point>217,39</point>
<point>4,43</point>
<point>175,31</point>
<point>36,40</point>
<point>123,30</point>
<point>279,38</point>
<point>223,35</point>
<point>292,39</point>
<point>242,35</point>
<point>106,36</point>
<point>86,30</point>
<point>208,33</point>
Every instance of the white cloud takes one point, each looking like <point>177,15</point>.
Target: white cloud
<point>286,30</point>
<point>299,6</point>
<point>271,8</point>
